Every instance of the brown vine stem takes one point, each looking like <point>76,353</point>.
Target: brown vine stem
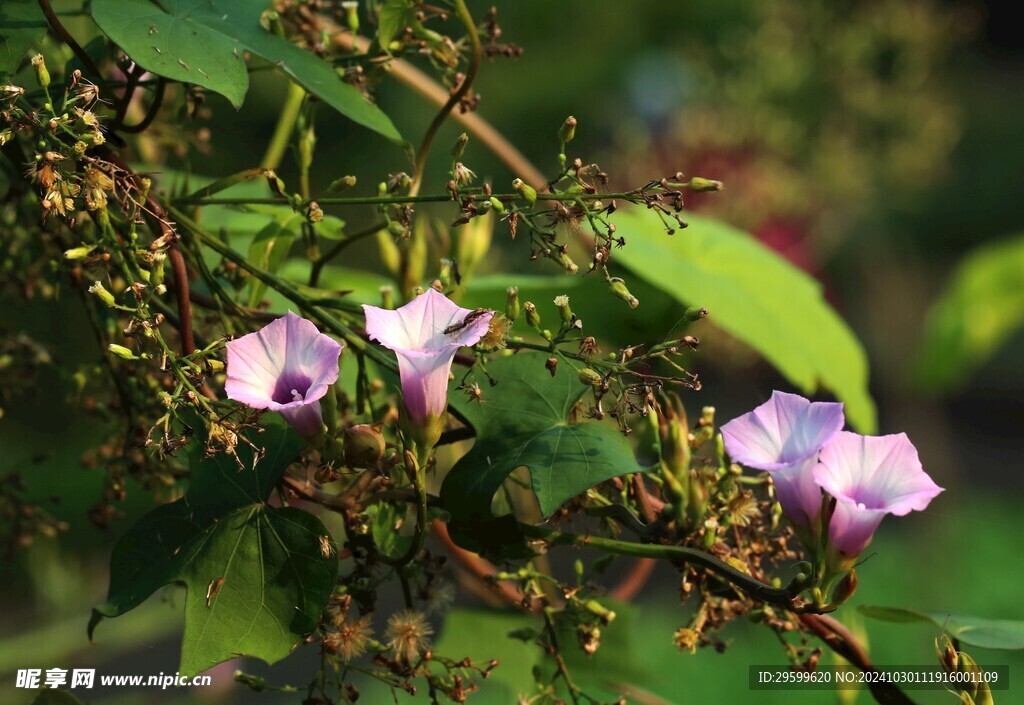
<point>428,88</point>
<point>66,37</point>
<point>844,643</point>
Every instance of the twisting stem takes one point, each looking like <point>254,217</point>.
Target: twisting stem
<point>154,109</point>
<point>677,554</point>
<point>474,65</point>
<point>66,37</point>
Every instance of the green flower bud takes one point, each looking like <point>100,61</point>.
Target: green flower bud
<point>122,352</point>
<point>42,75</point>
<point>595,608</point>
<point>387,297</point>
<point>619,289</point>
<point>351,8</point>
<point>568,130</point>
<point>101,291</point>
<point>590,377</point>
<point>459,147</point>
<point>275,183</point>
<point>532,316</point>
<point>562,302</point>
<point>445,275</point>
<point>77,253</point>
<point>512,303</point>
<point>529,193</point>
<point>497,205</point>
<point>567,262</point>
<point>695,313</point>
<point>699,185</point>
<point>342,184</point>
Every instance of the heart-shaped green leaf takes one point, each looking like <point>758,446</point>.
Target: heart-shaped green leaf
<point>1003,634</point>
<point>257,577</point>
<point>523,421</point>
<point>202,42</point>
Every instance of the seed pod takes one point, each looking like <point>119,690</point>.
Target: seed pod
<point>512,303</point>
<point>364,446</point>
<point>698,185</point>
<point>121,351</point>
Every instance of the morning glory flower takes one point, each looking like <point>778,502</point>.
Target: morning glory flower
<point>425,334</point>
<point>783,436</point>
<point>870,476</point>
<point>287,366</point>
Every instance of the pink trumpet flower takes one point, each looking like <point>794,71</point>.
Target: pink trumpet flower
<point>783,436</point>
<point>870,476</point>
<point>425,334</point>
<point>287,366</point>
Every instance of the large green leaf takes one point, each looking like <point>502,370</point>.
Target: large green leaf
<point>756,296</point>
<point>522,422</point>
<point>202,41</point>
<point>1003,634</point>
<point>981,308</point>
<point>21,25</point>
<point>257,577</point>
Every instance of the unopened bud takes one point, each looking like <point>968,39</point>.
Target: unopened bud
<point>156,275</point>
<point>101,291</point>
<point>76,253</point>
<point>496,204</point>
<point>552,364</point>
<point>532,315</point>
<point>122,352</point>
<point>275,183</point>
<point>255,683</point>
<point>512,303</point>
<point>947,653</point>
<point>42,75</point>
<point>618,287</point>
<point>600,611</point>
<point>445,275</point>
<point>342,184</point>
<point>364,446</point>
<point>387,297</point>
<point>568,130</point>
<point>698,184</point>
<point>695,313</point>
<point>351,8</point>
<point>562,303</point>
<point>589,376</point>
<point>529,193</point>
<point>215,365</point>
<point>314,213</point>
<point>460,146</point>
<point>567,262</point>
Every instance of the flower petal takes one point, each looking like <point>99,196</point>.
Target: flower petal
<point>785,430</point>
<point>425,382</point>
<point>798,493</point>
<point>306,418</point>
<point>420,324</point>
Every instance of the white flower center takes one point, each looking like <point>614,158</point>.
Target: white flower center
<point>860,505</point>
<point>298,397</point>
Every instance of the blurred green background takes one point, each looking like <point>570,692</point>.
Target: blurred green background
<point>878,145</point>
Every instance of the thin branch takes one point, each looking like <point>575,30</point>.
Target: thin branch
<point>456,97</point>
<point>154,109</point>
<point>66,37</point>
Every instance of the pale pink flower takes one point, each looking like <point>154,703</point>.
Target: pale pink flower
<point>783,436</point>
<point>288,366</point>
<point>870,476</point>
<point>425,334</point>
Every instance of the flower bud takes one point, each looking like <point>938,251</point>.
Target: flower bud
<point>460,146</point>
<point>445,275</point>
<point>387,297</point>
<point>618,287</point>
<point>699,185</point>
<point>351,8</point>
<point>695,313</point>
<point>255,683</point>
<point>529,193</point>
<point>562,302</point>
<point>101,291</point>
<point>590,377</point>
<point>496,204</point>
<point>215,365</point>
<point>512,303</point>
<point>77,253</point>
<point>275,183</point>
<point>532,315</point>
<point>595,608</point>
<point>364,446</point>
<point>42,75</point>
<point>567,262</point>
<point>122,352</point>
<point>342,184</point>
<point>568,130</point>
